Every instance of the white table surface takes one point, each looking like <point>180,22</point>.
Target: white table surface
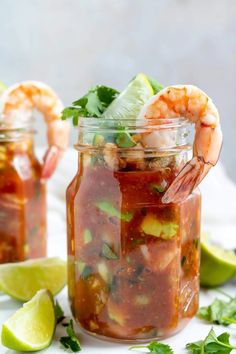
<point>195,330</point>
<point>219,217</point>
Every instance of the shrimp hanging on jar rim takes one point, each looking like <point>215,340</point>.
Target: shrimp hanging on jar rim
<point>17,105</point>
<point>189,102</point>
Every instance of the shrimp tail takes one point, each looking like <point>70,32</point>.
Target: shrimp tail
<point>50,159</point>
<point>196,107</point>
<point>186,181</point>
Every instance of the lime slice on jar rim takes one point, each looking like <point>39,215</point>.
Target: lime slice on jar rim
<point>217,264</point>
<point>130,101</point>
<point>31,328</point>
<point>23,279</point>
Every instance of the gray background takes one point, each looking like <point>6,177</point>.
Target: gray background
<point>72,45</point>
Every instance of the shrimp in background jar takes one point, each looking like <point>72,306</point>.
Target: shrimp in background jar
<point>189,102</point>
<point>17,104</point>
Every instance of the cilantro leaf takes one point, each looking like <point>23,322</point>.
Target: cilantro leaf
<point>59,312</point>
<point>72,112</point>
<point>106,95</point>
<point>211,344</point>
<point>71,341</point>
<point>92,104</point>
<point>108,253</point>
<point>219,312</point>
<point>155,348</point>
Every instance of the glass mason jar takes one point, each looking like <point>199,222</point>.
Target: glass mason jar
<point>133,261</point>
<point>22,197</point>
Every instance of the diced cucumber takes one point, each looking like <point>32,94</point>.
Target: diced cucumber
<point>98,140</point>
<point>159,188</point>
<point>87,236</point>
<point>112,286</point>
<point>152,226</point>
<point>108,253</point>
<point>110,210</point>
<point>116,315</point>
<point>81,266</point>
<point>142,300</point>
<point>84,270</point>
<point>124,140</point>
<point>87,272</point>
<point>104,272</point>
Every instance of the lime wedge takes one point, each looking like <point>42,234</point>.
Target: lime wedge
<point>217,265</point>
<point>3,87</point>
<point>130,101</point>
<point>22,280</point>
<point>31,327</point>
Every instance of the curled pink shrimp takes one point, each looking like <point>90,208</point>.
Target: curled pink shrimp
<point>193,104</point>
<point>17,104</point>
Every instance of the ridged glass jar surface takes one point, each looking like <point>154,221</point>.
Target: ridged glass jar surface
<point>22,198</point>
<point>133,261</point>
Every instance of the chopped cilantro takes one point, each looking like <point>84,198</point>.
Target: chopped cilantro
<point>59,312</point>
<point>108,253</point>
<point>71,341</point>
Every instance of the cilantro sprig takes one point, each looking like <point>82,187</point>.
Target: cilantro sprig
<point>220,311</point>
<point>59,312</point>
<point>71,341</point>
<point>155,348</point>
<point>92,104</point>
<point>211,344</point>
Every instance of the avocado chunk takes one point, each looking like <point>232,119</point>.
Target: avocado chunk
<point>87,236</point>
<point>110,210</point>
<point>152,226</point>
<point>98,140</point>
<point>124,140</point>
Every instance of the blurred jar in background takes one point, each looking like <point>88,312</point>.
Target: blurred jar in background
<point>22,197</point>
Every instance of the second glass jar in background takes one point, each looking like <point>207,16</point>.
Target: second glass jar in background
<point>22,198</point>
<point>133,261</point>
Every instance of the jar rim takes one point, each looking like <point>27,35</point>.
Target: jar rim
<point>89,128</point>
<point>15,125</point>
<point>160,123</point>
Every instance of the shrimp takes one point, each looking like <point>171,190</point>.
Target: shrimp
<point>195,106</point>
<point>18,103</point>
